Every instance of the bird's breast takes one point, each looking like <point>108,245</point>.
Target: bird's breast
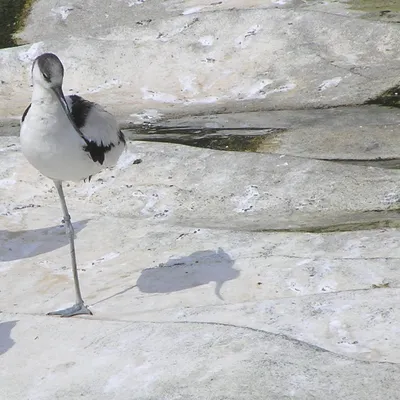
<point>52,146</point>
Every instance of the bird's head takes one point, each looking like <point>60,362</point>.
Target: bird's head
<point>48,74</point>
<point>47,71</point>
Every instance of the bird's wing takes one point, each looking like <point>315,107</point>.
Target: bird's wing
<point>99,128</point>
<point>93,121</point>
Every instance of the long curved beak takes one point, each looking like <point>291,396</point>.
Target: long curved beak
<point>60,96</point>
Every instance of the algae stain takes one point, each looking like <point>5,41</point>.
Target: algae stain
<point>228,143</point>
<point>390,98</point>
<point>13,14</point>
<point>383,10</point>
<point>375,5</point>
<point>249,139</point>
<point>380,285</point>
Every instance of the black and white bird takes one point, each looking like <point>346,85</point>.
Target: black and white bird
<point>67,138</point>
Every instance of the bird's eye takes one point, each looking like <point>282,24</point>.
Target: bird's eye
<point>46,77</point>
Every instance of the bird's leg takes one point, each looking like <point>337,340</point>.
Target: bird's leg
<point>79,306</point>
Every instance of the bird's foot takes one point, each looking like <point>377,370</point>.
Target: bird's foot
<point>76,309</point>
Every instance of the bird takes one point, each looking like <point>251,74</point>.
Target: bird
<point>67,138</point>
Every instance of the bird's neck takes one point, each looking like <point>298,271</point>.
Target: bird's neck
<point>44,97</point>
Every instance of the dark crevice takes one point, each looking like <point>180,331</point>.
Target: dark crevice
<point>345,227</point>
<point>379,162</point>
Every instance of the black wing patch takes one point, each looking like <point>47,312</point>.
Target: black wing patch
<point>121,137</point>
<point>97,151</point>
<point>80,109</point>
<point>25,112</point>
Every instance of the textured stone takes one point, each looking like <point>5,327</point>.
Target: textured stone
<point>170,57</point>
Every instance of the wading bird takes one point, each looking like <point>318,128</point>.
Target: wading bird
<point>67,138</point>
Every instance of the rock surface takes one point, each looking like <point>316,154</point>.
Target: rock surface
<point>194,56</point>
<point>217,272</point>
<point>266,272</point>
<point>131,360</point>
<point>367,133</point>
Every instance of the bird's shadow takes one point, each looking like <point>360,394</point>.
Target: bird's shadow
<point>6,342</point>
<point>25,244</point>
<point>197,269</point>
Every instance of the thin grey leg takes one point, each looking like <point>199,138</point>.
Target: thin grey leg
<point>79,306</point>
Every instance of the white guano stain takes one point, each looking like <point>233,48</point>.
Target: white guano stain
<point>192,10</point>
<point>257,90</point>
<point>158,96</point>
<point>135,2</point>
<point>107,85</point>
<point>187,84</point>
<point>203,100</point>
<point>248,201</point>
<point>243,40</point>
<point>149,114</point>
<point>329,83</point>
<point>126,160</point>
<point>206,40</point>
<point>62,12</point>
<point>29,55</point>
<point>5,183</point>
